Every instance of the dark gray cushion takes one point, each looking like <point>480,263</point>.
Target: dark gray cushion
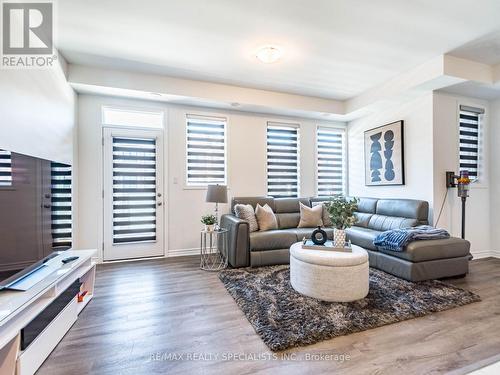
<point>425,250</point>
<point>289,205</point>
<point>362,237</point>
<point>288,220</point>
<point>368,205</point>
<point>253,201</point>
<point>272,239</point>
<point>383,223</point>
<point>362,219</point>
<point>409,208</point>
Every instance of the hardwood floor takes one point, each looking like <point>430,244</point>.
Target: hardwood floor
<point>145,311</point>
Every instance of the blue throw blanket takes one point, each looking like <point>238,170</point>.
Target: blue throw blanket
<point>397,239</point>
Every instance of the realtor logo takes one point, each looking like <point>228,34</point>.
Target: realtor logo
<point>27,30</point>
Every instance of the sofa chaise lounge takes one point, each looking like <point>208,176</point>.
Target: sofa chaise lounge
<point>421,260</point>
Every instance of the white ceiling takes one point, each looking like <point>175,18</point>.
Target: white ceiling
<point>334,48</point>
<point>485,49</point>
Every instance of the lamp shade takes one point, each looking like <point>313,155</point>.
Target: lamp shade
<point>216,194</point>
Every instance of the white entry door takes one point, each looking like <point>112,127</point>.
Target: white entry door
<point>133,194</point>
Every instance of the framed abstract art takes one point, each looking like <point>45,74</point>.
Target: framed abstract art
<point>384,155</point>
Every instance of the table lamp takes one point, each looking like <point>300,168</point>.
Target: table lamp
<point>216,194</point>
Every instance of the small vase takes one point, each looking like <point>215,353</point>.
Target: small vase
<point>339,237</point>
<point>209,228</point>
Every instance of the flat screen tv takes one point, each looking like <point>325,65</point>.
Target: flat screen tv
<point>35,213</point>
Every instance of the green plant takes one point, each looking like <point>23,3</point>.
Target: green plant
<point>341,211</point>
<point>208,219</point>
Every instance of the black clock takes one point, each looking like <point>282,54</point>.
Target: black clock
<point>319,236</point>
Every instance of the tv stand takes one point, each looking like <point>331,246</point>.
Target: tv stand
<point>18,309</point>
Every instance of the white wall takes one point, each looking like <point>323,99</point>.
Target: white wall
<point>38,118</point>
<point>431,149</point>
<point>38,113</point>
<point>446,158</point>
<point>417,117</point>
<point>495,176</point>
<point>184,206</point>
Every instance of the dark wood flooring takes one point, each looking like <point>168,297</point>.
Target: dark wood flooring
<point>145,311</point>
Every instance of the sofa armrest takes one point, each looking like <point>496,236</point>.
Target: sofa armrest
<point>238,246</point>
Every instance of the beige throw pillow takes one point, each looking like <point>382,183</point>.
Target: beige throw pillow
<point>247,213</point>
<point>327,222</point>
<point>311,217</point>
<point>266,218</point>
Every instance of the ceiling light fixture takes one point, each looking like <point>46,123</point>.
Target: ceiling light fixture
<point>269,54</point>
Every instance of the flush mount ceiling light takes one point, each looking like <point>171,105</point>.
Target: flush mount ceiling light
<point>269,54</point>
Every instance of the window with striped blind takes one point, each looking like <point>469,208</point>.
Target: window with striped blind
<point>330,161</point>
<point>61,206</point>
<point>5,168</point>
<point>282,160</point>
<point>205,150</point>
<point>469,129</point>
<point>134,190</point>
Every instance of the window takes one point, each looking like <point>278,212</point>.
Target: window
<point>206,151</point>
<point>330,161</point>
<point>61,206</point>
<point>282,160</point>
<point>130,117</point>
<point>469,126</point>
<point>5,168</point>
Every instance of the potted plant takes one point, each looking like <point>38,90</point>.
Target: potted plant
<point>209,221</point>
<point>341,211</point>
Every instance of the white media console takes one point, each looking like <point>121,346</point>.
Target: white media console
<point>18,309</point>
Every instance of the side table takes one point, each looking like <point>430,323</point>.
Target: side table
<point>213,250</point>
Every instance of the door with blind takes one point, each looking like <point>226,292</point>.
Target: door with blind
<point>133,194</point>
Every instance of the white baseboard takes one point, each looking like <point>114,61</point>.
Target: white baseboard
<point>486,254</point>
<point>182,252</point>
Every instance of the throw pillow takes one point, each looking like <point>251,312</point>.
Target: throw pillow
<point>327,222</point>
<point>310,216</point>
<point>266,218</point>
<point>247,213</point>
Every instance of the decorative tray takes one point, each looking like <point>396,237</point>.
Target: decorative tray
<point>309,245</point>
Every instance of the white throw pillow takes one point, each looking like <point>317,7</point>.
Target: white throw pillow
<point>247,213</point>
<point>310,216</point>
<point>266,217</point>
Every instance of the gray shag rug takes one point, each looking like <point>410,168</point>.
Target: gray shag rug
<point>283,318</point>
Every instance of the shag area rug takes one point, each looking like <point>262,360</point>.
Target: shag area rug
<point>284,318</point>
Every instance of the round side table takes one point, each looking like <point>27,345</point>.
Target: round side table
<point>213,250</point>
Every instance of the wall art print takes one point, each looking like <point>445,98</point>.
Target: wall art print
<point>384,155</point>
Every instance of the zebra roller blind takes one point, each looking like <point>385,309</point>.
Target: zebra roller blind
<point>134,190</point>
<point>5,168</point>
<point>282,160</point>
<point>469,127</point>
<point>206,150</point>
<point>61,206</point>
<point>330,161</point>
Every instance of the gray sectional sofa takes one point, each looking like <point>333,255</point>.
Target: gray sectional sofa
<point>421,260</point>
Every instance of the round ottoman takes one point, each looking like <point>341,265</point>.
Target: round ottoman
<point>329,275</point>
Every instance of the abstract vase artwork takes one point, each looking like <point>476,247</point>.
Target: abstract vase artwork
<point>384,159</point>
<point>375,159</point>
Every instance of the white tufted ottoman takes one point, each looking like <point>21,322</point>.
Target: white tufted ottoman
<point>329,275</point>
